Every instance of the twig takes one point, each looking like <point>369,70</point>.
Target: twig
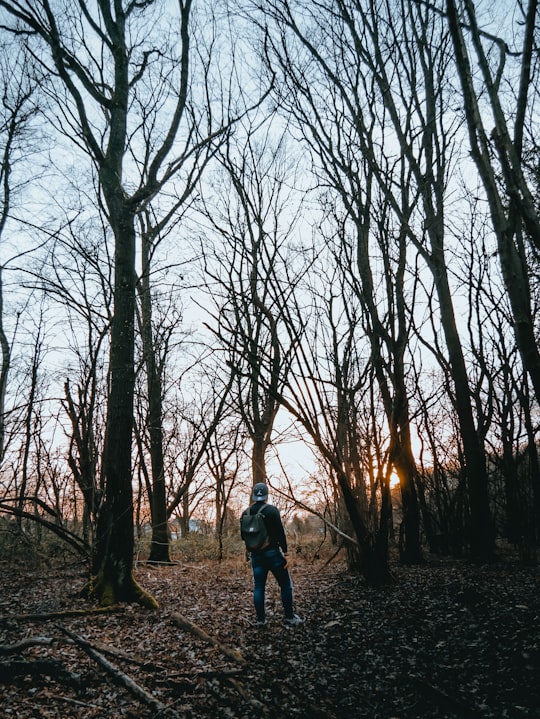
<point>205,674</point>
<point>71,700</point>
<point>184,623</point>
<point>321,516</point>
<point>247,697</point>
<point>258,707</point>
<point>176,563</point>
<point>338,550</point>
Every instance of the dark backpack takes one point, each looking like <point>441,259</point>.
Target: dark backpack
<point>253,530</point>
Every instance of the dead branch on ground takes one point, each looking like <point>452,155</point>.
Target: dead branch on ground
<point>185,623</point>
<point>123,679</point>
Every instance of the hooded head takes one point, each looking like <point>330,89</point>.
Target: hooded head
<point>260,492</point>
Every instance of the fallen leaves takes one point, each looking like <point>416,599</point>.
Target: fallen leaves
<point>449,639</point>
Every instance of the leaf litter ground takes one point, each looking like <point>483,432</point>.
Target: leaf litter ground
<point>448,639</point>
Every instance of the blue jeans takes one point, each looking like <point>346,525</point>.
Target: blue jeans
<point>262,562</point>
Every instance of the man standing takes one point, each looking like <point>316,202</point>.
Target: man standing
<point>270,558</point>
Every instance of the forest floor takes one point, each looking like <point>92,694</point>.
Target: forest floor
<point>448,639</point>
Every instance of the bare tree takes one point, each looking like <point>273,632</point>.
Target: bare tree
<point>224,462</point>
<point>251,277</point>
<point>75,274</point>
<point>386,64</point>
<point>501,390</point>
<point>386,323</point>
<point>155,358</point>
<point>193,433</point>
<point>124,103</point>
<point>17,109</point>
<point>505,160</point>
<point>499,153</point>
<point>323,394</point>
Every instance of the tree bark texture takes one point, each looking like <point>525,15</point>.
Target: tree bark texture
<point>159,550</point>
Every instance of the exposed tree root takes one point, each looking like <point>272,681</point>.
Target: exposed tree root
<point>109,592</point>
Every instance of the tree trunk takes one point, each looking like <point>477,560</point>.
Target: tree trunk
<point>401,457</point>
<point>184,519</point>
<point>533,477</point>
<point>112,568</point>
<point>159,551</point>
<point>507,218</point>
<point>258,460</point>
<point>513,263</point>
<point>391,379</point>
<point>4,370</point>
<point>481,528</point>
<point>373,560</point>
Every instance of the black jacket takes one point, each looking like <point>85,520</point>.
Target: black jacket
<point>274,525</point>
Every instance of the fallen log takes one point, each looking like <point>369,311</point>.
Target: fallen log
<point>123,679</point>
